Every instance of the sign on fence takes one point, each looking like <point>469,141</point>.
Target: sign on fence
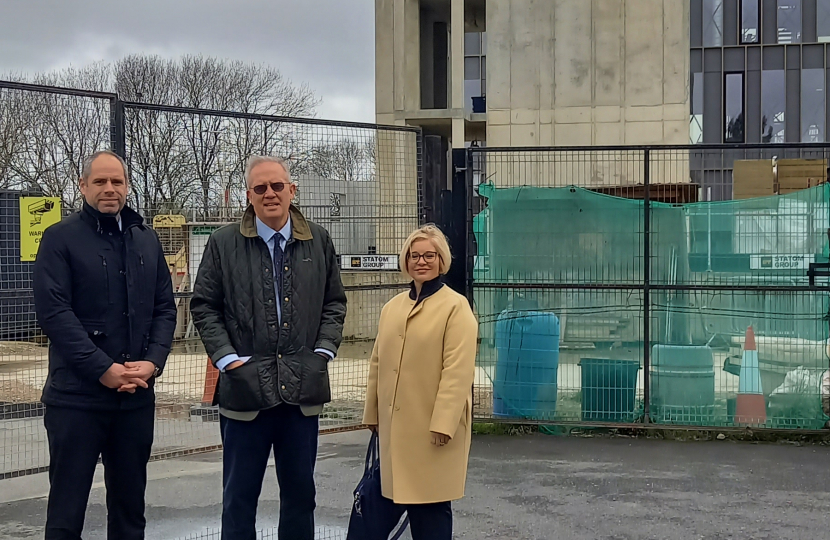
<point>169,221</point>
<point>36,214</point>
<point>781,262</point>
<point>369,262</point>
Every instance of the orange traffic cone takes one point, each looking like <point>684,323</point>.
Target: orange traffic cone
<point>211,380</point>
<point>751,406</point>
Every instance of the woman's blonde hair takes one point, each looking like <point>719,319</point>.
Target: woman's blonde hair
<point>432,233</point>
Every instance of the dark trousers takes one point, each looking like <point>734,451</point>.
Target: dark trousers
<point>429,521</point>
<point>247,447</point>
<point>77,438</point>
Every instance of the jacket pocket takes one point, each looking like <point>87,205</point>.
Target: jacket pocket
<point>239,388</point>
<point>315,388</point>
<point>63,379</point>
<point>97,332</point>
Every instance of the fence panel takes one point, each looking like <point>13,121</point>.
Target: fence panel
<point>44,135</point>
<point>625,284</point>
<point>360,181</point>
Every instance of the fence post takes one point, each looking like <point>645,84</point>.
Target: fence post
<point>472,246</point>
<point>118,131</point>
<point>646,285</point>
<point>435,176</point>
<point>458,233</point>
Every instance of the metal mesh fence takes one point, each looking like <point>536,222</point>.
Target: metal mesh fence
<point>675,285</point>
<point>359,181</point>
<point>44,137</point>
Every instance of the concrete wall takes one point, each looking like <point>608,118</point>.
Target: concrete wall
<point>587,72</point>
<point>397,59</point>
<point>397,89</point>
<point>559,73</point>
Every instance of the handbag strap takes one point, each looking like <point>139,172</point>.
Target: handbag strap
<point>373,452</point>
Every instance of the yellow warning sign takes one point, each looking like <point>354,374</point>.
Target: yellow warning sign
<point>168,220</point>
<point>36,214</point>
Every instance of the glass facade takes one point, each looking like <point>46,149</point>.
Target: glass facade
<point>712,23</point>
<point>789,21</point>
<point>750,21</point>
<point>823,20</point>
<point>696,117</point>
<point>759,70</point>
<point>773,105</point>
<point>734,108</point>
<point>813,103</point>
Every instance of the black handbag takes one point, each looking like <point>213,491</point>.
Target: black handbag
<point>374,517</point>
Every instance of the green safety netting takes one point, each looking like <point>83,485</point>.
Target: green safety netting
<point>558,288</point>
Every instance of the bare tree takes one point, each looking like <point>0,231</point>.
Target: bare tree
<point>12,134</point>
<point>220,145</point>
<point>347,159</point>
<point>162,181</point>
<point>177,160</point>
<point>59,131</point>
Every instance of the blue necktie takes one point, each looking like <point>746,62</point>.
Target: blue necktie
<point>278,258</point>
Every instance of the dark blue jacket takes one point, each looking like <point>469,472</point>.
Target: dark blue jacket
<point>101,296</point>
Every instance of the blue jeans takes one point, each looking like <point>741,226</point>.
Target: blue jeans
<point>247,447</point>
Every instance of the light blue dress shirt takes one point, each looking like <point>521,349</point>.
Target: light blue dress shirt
<point>268,235</point>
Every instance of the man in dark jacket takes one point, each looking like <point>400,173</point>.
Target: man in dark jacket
<point>104,298</point>
<point>269,306</point>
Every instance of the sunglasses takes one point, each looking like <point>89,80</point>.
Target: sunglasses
<point>262,188</point>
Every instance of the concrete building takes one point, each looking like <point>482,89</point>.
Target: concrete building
<point>605,72</point>
<point>551,72</point>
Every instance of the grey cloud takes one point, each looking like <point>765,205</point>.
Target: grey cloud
<point>328,44</point>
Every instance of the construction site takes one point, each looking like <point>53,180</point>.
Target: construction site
<point>615,288</point>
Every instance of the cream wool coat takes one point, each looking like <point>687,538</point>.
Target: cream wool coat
<point>420,380</point>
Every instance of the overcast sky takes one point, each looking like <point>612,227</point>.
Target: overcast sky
<point>328,44</point>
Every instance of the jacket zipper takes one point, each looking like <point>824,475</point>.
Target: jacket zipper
<point>106,278</point>
<point>141,280</point>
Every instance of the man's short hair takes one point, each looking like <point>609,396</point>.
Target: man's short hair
<point>253,161</point>
<point>86,166</point>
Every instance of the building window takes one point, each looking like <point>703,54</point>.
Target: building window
<point>812,105</point>
<point>789,21</point>
<point>773,105</point>
<point>734,108</point>
<point>475,46</point>
<point>712,23</point>
<point>750,19</point>
<point>696,117</point>
<point>472,68</point>
<point>823,21</point>
<point>472,44</point>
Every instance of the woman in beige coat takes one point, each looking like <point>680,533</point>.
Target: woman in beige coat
<point>419,395</point>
